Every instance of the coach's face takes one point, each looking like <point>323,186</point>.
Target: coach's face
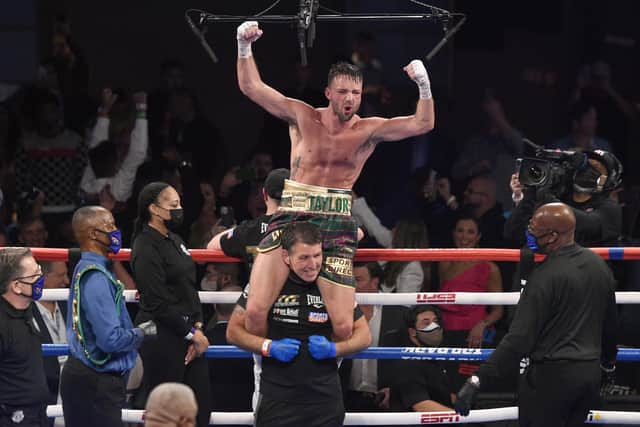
<point>305,260</point>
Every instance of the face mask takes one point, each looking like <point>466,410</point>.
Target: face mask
<point>115,240</point>
<point>207,285</point>
<point>532,242</point>
<point>177,216</point>
<point>36,288</point>
<point>430,336</point>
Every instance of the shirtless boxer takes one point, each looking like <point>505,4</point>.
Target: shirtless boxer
<point>329,147</point>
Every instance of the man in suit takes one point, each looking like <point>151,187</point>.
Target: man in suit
<point>231,379</point>
<point>50,317</point>
<point>365,382</point>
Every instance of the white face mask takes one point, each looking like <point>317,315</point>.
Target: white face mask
<point>207,285</point>
<point>430,335</point>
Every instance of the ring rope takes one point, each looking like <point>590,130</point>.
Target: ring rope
<point>476,254</point>
<point>413,353</point>
<point>394,418</point>
<point>403,298</point>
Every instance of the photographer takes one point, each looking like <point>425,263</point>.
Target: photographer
<point>585,187</point>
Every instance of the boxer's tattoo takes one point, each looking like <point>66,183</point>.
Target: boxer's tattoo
<point>296,165</point>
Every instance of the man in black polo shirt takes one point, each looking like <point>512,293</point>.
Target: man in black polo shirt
<point>23,384</point>
<point>299,384</point>
<point>241,241</point>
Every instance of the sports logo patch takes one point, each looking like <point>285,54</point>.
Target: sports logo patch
<point>315,317</point>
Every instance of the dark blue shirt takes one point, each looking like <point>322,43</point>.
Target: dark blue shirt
<point>104,331</point>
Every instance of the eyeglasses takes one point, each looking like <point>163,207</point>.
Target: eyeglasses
<point>20,279</point>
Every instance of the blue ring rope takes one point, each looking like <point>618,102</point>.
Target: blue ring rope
<point>418,353</point>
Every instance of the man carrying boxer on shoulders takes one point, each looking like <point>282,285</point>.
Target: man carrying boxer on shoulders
<point>329,147</point>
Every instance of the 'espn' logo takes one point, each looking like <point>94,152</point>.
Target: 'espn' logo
<point>439,418</point>
<point>437,298</point>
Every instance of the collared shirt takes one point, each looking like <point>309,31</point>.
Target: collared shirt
<point>104,331</point>
<point>364,373</point>
<point>22,378</point>
<point>166,278</point>
<point>55,325</point>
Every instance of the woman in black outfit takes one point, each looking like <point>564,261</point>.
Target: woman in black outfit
<point>165,275</point>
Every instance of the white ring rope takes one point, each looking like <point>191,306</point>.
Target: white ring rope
<point>482,298</point>
<point>395,418</point>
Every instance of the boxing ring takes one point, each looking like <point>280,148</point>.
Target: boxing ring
<point>421,353</point>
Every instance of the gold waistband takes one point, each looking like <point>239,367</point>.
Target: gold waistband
<point>298,197</point>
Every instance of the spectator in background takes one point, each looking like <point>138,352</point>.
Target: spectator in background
<point>68,75</point>
<point>166,279</point>
<point>365,382</point>
<point>105,168</point>
<point>493,152</point>
<point>32,233</point>
<point>171,405</point>
<point>421,385</point>
<point>583,132</point>
<point>595,87</point>
<point>413,276</point>
<point>9,137</point>
<point>376,95</point>
<point>256,206</point>
<point>190,138</point>
<point>480,197</point>
<point>52,159</point>
<point>237,183</point>
<point>205,226</point>
<point>468,326</point>
<point>399,276</point>
<point>231,379</point>
<point>23,384</point>
<point>172,77</point>
<point>50,317</point>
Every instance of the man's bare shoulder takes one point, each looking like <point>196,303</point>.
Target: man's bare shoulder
<point>366,122</point>
<point>303,107</point>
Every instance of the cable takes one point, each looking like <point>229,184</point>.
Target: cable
<point>274,4</point>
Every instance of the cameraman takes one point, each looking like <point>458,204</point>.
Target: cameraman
<point>598,217</point>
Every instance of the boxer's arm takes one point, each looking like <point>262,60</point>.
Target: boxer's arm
<point>251,83</point>
<point>421,122</point>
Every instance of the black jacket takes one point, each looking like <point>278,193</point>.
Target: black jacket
<point>391,326</point>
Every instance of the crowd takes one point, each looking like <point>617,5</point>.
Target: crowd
<point>151,172</point>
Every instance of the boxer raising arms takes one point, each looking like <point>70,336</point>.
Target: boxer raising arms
<point>329,147</point>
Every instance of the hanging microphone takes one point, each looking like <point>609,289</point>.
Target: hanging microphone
<point>200,35</point>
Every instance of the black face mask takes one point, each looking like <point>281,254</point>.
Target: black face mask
<point>177,216</point>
